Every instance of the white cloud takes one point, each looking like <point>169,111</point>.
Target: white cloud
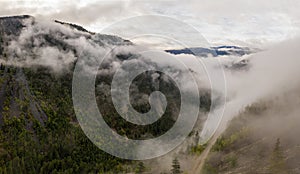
<point>244,22</point>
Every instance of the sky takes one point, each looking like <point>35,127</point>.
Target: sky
<point>232,22</point>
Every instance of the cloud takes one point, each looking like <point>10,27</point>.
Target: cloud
<point>272,73</point>
<point>88,14</point>
<point>85,13</point>
<point>229,21</point>
<point>271,79</point>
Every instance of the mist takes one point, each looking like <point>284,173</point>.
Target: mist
<point>271,79</point>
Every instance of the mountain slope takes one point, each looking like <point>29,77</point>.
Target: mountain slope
<point>38,128</point>
<point>262,139</point>
<point>37,119</point>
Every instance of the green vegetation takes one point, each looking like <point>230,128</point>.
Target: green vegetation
<point>55,144</point>
<point>39,126</point>
<point>222,143</point>
<point>142,86</point>
<point>140,168</point>
<point>40,133</point>
<point>198,149</point>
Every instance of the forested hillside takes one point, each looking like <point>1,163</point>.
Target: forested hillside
<point>39,129</point>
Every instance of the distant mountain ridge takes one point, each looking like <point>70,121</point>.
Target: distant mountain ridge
<point>214,51</point>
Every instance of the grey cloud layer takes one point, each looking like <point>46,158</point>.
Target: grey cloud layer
<point>231,21</point>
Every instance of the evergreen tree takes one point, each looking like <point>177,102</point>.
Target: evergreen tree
<point>277,163</point>
<point>176,167</point>
<point>2,67</point>
<point>140,168</point>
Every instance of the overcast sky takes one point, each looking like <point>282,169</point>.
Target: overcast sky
<point>239,22</point>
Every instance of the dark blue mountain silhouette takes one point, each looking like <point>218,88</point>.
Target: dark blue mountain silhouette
<point>213,51</point>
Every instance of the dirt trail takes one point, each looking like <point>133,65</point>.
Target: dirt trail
<point>200,161</point>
